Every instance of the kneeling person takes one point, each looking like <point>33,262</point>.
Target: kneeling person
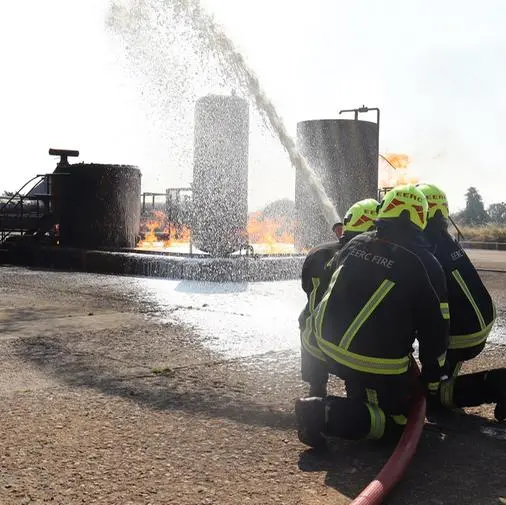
<point>472,315</point>
<point>315,277</point>
<point>385,289</point>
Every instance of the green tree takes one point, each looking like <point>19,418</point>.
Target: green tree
<point>497,213</point>
<point>279,209</point>
<point>474,214</point>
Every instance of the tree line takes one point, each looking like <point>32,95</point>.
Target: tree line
<point>475,214</point>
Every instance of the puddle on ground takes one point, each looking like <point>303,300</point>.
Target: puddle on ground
<point>497,432</point>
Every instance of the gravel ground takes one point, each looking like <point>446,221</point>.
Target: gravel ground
<point>106,400</point>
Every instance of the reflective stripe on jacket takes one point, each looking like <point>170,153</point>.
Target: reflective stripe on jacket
<point>471,307</point>
<point>385,290</point>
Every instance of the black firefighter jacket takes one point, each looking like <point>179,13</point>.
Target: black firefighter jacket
<point>386,290</point>
<point>316,272</point>
<point>471,307</point>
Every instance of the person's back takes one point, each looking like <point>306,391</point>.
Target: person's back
<point>472,315</point>
<point>359,218</point>
<point>471,306</point>
<point>315,276</point>
<point>383,274</point>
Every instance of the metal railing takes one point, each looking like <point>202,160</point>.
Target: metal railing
<point>175,204</point>
<point>24,212</point>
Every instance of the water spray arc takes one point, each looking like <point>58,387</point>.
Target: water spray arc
<point>216,43</point>
<point>221,44</point>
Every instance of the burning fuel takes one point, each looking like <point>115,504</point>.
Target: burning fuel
<point>267,235</point>
<point>272,236</point>
<point>158,232</point>
<point>394,169</point>
<point>397,161</point>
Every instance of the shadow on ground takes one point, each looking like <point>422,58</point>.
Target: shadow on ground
<point>456,464</point>
<point>197,389</point>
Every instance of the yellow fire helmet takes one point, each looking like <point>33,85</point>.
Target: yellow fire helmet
<point>406,198</point>
<point>361,215</point>
<point>436,199</point>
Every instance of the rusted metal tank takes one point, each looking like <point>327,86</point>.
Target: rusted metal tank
<point>220,174</point>
<point>344,154</point>
<point>99,205</point>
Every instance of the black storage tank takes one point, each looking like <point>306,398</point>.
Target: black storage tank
<point>99,205</point>
<point>344,154</point>
<point>220,174</point>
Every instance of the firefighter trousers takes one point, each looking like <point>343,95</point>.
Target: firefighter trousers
<point>473,389</point>
<point>375,407</point>
<point>313,365</point>
<point>314,370</point>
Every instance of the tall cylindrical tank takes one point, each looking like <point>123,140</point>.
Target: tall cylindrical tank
<point>99,205</point>
<point>344,154</point>
<point>220,174</point>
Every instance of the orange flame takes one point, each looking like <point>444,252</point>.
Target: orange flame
<point>268,231</point>
<point>270,235</point>
<point>394,170</point>
<point>398,160</point>
<point>159,232</point>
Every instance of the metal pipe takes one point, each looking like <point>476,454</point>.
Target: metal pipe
<point>459,233</point>
<point>364,109</point>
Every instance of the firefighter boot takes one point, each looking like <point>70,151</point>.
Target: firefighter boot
<point>318,389</point>
<point>310,416</point>
<point>495,387</point>
<point>500,412</point>
<point>483,387</point>
<point>497,380</point>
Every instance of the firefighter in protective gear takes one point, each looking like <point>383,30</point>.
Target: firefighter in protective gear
<point>338,229</point>
<point>386,289</point>
<point>472,314</point>
<point>316,273</point>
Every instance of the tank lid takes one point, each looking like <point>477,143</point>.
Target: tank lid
<point>337,121</point>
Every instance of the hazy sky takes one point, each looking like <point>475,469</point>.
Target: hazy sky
<point>436,69</point>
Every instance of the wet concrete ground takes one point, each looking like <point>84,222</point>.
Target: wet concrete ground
<point>138,390</point>
<point>226,321</point>
<point>231,319</point>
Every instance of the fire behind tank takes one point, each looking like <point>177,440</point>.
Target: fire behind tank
<point>212,216</point>
<point>97,206</point>
<point>344,155</point>
<point>163,228</point>
<point>220,174</point>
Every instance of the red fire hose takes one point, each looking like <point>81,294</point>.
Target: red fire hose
<point>398,462</point>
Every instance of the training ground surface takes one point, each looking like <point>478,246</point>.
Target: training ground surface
<point>120,390</point>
